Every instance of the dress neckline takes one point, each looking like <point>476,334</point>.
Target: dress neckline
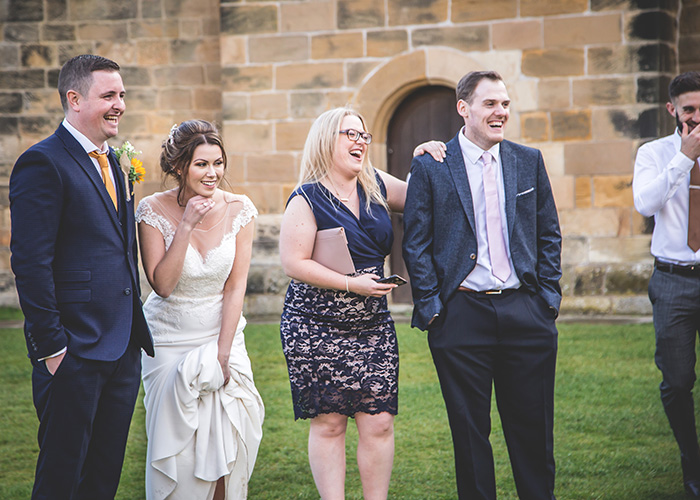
<point>360,196</point>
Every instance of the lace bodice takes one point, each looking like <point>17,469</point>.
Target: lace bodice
<point>212,248</point>
<point>193,310</point>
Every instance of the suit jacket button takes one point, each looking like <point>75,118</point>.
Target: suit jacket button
<point>127,291</point>
<point>472,256</point>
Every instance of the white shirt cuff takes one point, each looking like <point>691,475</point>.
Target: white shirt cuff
<point>54,355</point>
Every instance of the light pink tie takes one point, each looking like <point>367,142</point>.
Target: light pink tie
<point>500,267</point>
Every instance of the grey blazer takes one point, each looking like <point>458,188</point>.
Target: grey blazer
<point>440,246</point>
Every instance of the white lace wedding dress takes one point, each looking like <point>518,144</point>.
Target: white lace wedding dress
<point>198,429</point>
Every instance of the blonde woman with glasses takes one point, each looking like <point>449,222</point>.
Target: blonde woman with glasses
<point>337,334</point>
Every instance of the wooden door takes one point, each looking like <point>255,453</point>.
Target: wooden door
<point>428,113</point>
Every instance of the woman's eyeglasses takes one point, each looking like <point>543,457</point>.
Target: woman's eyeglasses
<point>356,135</point>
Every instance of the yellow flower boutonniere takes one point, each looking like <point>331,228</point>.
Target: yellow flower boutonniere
<point>131,166</point>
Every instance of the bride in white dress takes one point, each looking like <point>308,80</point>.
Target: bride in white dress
<point>203,413</point>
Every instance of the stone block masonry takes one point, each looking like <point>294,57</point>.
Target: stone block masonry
<point>588,81</point>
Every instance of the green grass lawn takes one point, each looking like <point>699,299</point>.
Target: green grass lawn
<point>612,440</point>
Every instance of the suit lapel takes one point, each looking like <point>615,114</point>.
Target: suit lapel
<point>509,164</point>
<point>76,151</point>
<point>455,162</point>
<point>118,180</point>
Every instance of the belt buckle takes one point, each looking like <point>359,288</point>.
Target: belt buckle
<point>493,292</point>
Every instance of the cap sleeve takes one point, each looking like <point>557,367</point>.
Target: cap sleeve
<point>146,213</point>
<point>246,214</point>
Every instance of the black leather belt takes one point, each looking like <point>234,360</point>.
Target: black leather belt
<point>506,291</point>
<point>682,270</point>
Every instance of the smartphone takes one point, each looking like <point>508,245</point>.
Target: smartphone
<point>394,279</point>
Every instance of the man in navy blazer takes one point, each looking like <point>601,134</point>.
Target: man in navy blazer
<point>482,246</point>
<point>74,257</point>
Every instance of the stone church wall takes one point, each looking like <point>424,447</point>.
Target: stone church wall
<point>588,80</point>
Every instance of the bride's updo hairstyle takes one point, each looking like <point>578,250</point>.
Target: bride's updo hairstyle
<point>178,149</point>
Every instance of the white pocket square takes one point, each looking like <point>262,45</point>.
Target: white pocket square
<point>525,192</point>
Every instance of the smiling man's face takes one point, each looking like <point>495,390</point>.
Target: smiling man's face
<point>97,113</point>
<point>686,109</point>
<point>486,116</point>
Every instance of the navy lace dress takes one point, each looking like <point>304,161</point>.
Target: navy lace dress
<point>341,347</point>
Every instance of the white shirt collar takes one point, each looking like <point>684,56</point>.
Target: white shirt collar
<point>86,143</point>
<point>473,152</point>
<point>676,138</point>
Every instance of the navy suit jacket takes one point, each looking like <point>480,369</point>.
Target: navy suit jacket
<point>440,244</point>
<point>74,258</point>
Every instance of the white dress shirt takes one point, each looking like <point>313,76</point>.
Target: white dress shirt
<point>481,279</point>
<point>88,146</point>
<point>660,186</point>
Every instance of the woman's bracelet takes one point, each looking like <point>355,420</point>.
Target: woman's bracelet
<point>347,289</point>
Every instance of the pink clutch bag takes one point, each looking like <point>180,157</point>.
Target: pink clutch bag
<point>331,250</point>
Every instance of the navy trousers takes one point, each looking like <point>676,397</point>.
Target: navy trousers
<point>84,412</point>
<point>508,342</point>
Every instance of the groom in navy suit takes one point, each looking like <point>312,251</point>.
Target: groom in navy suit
<point>75,263</point>
<point>482,246</point>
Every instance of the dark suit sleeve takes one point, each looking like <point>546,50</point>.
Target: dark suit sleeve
<point>548,240</point>
<point>36,201</point>
<point>418,244</point>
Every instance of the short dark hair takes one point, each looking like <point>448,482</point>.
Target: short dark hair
<point>684,83</point>
<point>76,74</point>
<point>468,83</point>
<point>178,149</point>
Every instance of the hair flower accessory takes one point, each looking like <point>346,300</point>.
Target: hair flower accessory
<point>171,134</point>
<point>130,165</point>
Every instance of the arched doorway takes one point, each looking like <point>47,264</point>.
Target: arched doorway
<point>427,113</point>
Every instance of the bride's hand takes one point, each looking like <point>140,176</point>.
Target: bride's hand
<point>197,207</point>
<point>223,362</point>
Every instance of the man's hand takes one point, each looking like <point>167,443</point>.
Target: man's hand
<point>436,149</point>
<point>690,142</point>
<point>52,364</point>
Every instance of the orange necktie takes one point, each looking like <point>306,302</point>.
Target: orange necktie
<point>104,165</point>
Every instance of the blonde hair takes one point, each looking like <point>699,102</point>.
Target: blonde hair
<point>317,159</point>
